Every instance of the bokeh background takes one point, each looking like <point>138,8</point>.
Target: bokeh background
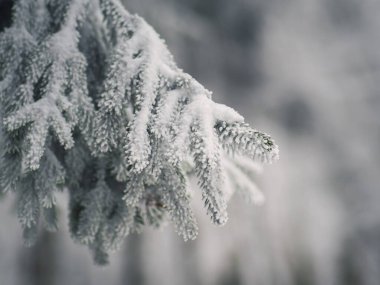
<point>308,73</point>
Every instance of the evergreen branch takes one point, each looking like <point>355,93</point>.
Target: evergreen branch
<point>92,101</point>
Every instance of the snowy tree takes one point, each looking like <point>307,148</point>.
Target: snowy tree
<point>93,102</point>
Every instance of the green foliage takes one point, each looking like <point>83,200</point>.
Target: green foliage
<point>93,102</point>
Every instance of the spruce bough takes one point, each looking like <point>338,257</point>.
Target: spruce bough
<point>93,102</point>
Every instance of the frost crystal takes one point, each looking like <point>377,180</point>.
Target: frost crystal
<point>92,101</point>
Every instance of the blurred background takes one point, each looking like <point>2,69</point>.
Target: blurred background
<point>308,73</point>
